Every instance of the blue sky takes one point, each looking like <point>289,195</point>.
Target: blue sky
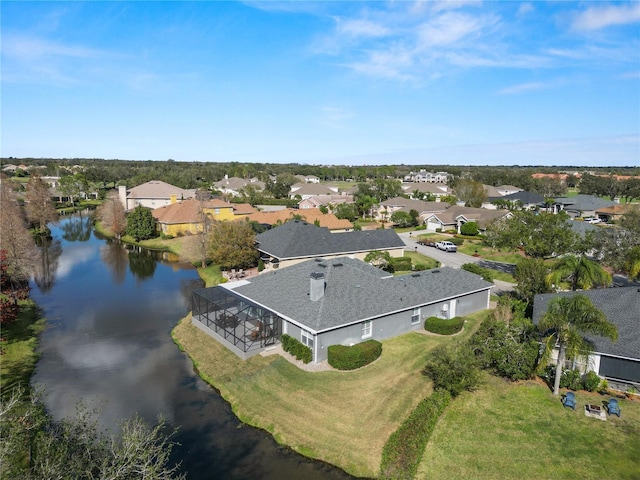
<point>461,83</point>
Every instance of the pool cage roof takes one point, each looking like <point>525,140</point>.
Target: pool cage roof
<point>239,324</point>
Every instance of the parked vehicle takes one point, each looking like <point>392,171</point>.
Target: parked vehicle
<point>592,220</point>
<point>446,246</point>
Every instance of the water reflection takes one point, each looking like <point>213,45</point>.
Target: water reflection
<point>109,345</point>
<point>47,263</point>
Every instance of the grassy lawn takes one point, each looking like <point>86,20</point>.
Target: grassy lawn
<point>419,258</point>
<point>212,275</point>
<point>343,418</point>
<point>514,431</point>
<point>19,344</point>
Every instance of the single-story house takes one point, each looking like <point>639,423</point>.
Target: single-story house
<point>324,302</point>
<point>424,176</point>
<point>581,205</point>
<point>453,218</point>
<point>330,201</point>
<point>234,185</point>
<point>614,213</point>
<point>186,217</point>
<point>296,241</point>
<point>436,189</point>
<point>400,204</point>
<point>153,194</point>
<point>306,190</point>
<point>619,361</point>
<point>524,200</point>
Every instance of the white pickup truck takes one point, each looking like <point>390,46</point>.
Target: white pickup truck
<point>446,246</point>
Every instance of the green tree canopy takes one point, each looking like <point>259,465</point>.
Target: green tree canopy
<point>580,272</point>
<point>140,224</point>
<point>232,244</point>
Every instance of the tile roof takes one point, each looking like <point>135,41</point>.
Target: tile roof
<point>310,215</point>
<point>159,189</point>
<point>621,305</point>
<point>186,211</point>
<point>297,239</point>
<point>354,291</point>
<point>243,209</point>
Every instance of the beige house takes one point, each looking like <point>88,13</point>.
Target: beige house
<point>153,194</point>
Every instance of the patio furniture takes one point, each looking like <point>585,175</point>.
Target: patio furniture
<point>255,333</point>
<point>613,408</point>
<point>569,400</point>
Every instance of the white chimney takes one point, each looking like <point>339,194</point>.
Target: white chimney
<point>316,290</point>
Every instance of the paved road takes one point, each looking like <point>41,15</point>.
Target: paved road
<point>456,260</point>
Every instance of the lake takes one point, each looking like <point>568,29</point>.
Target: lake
<point>110,311</point>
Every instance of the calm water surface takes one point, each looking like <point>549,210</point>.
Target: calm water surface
<point>110,314</point>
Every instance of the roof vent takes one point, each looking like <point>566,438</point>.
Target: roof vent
<point>323,265</point>
<point>337,264</point>
<point>435,271</point>
<point>415,275</point>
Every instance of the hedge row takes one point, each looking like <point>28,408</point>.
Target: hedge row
<point>444,326</point>
<point>295,348</point>
<point>404,449</point>
<point>485,273</point>
<point>401,264</point>
<point>355,356</point>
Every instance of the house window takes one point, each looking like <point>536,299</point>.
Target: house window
<point>307,339</point>
<point>415,317</point>
<point>216,211</point>
<point>366,329</point>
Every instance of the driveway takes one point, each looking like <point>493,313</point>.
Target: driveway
<point>457,259</point>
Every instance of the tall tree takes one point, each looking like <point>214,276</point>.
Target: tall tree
<point>73,186</point>
<point>40,210</point>
<point>140,224</point>
<point>232,244</point>
<point>530,275</point>
<point>473,193</point>
<point>580,272</point>
<point>111,215</point>
<point>566,322</point>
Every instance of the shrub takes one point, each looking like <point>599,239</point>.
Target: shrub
<point>469,228</point>
<point>457,241</point>
<point>405,447</point>
<point>444,326</point>
<point>485,273</point>
<point>420,266</point>
<point>453,368</point>
<point>260,265</point>
<point>438,230</point>
<point>401,263</point>
<point>355,356</point>
<point>296,348</point>
<point>604,386</point>
<point>421,227</point>
<point>591,381</point>
<point>571,379</point>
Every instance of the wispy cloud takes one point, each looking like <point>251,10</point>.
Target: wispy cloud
<point>361,28</point>
<point>334,116</point>
<point>524,87</point>
<point>599,17</point>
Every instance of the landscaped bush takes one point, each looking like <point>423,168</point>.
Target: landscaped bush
<point>296,348</point>
<point>420,266</point>
<point>355,356</point>
<point>485,273</point>
<point>403,451</point>
<point>457,241</point>
<point>401,264</point>
<point>444,326</point>
<point>469,228</point>
<point>591,381</point>
<point>421,227</point>
<point>453,368</point>
<point>571,379</point>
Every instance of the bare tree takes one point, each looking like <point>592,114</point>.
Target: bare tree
<point>111,215</point>
<point>40,211</point>
<point>15,239</point>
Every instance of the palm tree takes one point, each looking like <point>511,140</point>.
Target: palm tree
<point>582,273</point>
<point>633,263</point>
<point>566,321</point>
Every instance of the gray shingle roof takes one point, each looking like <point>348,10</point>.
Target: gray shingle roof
<point>527,198</point>
<point>355,291</point>
<point>621,305</point>
<point>584,202</point>
<point>298,239</point>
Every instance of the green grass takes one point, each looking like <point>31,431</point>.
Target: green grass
<point>343,418</point>
<point>419,258</point>
<point>19,348</point>
<point>514,431</point>
<point>212,275</point>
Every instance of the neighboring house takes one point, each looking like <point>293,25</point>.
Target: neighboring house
<point>329,201</point>
<point>308,178</point>
<point>507,190</point>
<point>324,302</point>
<point>153,194</point>
<point>296,241</point>
<point>454,217</point>
<point>243,209</point>
<point>581,205</point>
<point>306,190</point>
<point>619,361</point>
<point>613,213</point>
<point>400,204</point>
<point>310,215</point>
<point>186,217</point>
<point>424,176</point>
<point>526,200</point>
<point>233,186</point>
<point>436,189</point>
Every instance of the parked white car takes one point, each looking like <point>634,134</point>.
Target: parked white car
<point>446,246</point>
<point>592,220</point>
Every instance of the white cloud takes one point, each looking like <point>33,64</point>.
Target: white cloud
<point>361,28</point>
<point>525,8</point>
<point>523,87</point>
<point>451,28</point>
<point>596,18</point>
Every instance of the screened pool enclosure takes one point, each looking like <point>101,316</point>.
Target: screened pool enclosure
<point>242,326</point>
